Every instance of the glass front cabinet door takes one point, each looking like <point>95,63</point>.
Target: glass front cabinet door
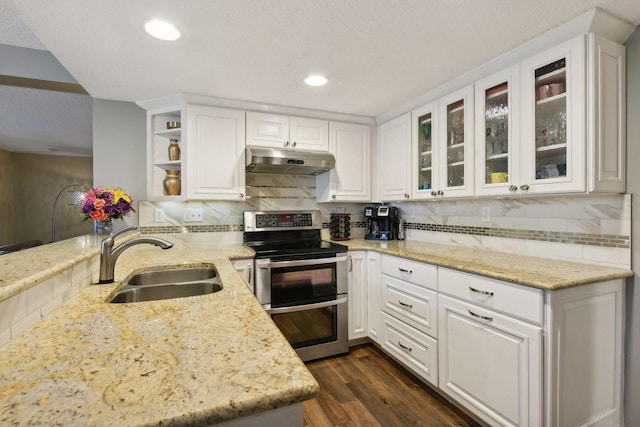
<point>455,145</point>
<point>496,130</point>
<point>424,149</point>
<point>442,147</point>
<point>553,127</point>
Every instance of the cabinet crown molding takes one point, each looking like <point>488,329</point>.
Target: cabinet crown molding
<point>237,104</point>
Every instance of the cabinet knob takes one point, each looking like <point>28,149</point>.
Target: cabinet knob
<point>513,188</point>
<point>286,144</point>
<point>294,144</point>
<point>524,187</point>
<point>406,196</point>
<point>440,193</point>
<point>433,193</point>
<point>333,196</point>
<point>241,196</point>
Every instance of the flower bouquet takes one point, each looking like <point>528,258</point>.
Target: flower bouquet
<point>103,205</point>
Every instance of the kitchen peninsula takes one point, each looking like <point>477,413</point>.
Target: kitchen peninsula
<point>198,361</point>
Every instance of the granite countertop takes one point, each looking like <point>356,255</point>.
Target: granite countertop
<point>197,360</point>
<point>23,269</point>
<point>542,273</point>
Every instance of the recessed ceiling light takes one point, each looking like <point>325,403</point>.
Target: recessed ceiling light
<point>315,80</point>
<point>162,30</point>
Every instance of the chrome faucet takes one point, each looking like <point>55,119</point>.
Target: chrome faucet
<point>109,254</point>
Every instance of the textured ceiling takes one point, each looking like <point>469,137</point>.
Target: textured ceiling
<point>377,54</point>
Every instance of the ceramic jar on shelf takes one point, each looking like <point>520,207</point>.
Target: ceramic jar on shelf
<point>172,183</point>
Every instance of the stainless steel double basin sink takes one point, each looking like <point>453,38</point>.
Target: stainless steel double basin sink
<point>168,283</point>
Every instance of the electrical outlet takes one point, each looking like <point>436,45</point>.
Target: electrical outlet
<point>193,215</point>
<point>159,214</point>
<point>486,213</point>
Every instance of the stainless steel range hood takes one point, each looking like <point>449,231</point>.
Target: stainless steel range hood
<point>274,160</point>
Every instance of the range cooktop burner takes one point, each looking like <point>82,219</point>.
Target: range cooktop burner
<point>287,233</point>
<point>267,249</point>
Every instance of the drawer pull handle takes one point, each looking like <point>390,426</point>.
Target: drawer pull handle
<point>404,270</point>
<point>404,347</point>
<point>487,318</point>
<point>478,291</point>
<point>410,306</point>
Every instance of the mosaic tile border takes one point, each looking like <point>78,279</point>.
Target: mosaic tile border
<point>601,240</point>
<point>201,228</point>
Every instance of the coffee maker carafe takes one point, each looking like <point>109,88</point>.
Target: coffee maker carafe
<point>382,222</point>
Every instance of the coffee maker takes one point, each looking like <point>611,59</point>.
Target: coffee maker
<point>382,222</point>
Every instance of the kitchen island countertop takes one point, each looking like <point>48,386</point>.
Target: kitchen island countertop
<point>197,361</point>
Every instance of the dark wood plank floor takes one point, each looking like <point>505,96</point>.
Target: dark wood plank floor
<point>367,388</point>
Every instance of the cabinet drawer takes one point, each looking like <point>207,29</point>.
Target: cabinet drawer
<point>412,304</point>
<point>415,350</point>
<point>516,300</point>
<point>416,272</point>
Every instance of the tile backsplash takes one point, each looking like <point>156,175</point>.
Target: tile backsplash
<point>580,228</point>
<point>23,310</point>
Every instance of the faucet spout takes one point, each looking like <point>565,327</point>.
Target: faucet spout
<point>109,255</point>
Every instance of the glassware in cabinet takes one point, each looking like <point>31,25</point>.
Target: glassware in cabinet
<point>425,152</point>
<point>456,144</point>
<point>551,120</point>
<point>425,140</point>
<point>496,115</point>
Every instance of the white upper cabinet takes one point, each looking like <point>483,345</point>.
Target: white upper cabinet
<point>350,181</point>
<point>553,120</point>
<point>424,149</point>
<point>278,131</point>
<point>165,127</point>
<point>497,133</point>
<point>442,147</point>
<point>606,115</point>
<point>455,145</point>
<point>215,165</point>
<point>394,159</point>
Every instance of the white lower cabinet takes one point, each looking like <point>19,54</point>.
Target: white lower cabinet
<point>374,321</point>
<point>357,277</point>
<point>244,267</point>
<point>584,354</point>
<point>510,354</point>
<point>490,363</point>
<point>416,350</point>
<point>411,304</point>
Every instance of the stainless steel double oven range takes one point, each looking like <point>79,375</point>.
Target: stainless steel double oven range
<point>300,280</point>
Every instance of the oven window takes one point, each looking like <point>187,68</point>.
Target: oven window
<point>308,327</point>
<point>303,284</point>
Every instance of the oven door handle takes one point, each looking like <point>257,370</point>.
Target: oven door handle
<point>293,309</point>
<point>265,263</point>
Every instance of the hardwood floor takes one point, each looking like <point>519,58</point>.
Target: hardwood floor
<point>367,388</point>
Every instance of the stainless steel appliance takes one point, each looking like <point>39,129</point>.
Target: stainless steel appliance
<point>300,280</point>
<point>294,162</point>
<point>382,222</point>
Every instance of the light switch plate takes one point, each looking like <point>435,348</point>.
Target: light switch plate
<point>159,215</point>
<point>193,215</point>
<point>486,213</point>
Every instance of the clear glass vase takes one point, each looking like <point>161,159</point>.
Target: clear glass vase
<point>103,227</point>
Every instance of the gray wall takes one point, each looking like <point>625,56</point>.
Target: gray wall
<point>632,376</point>
<point>120,150</point>
<point>6,196</point>
<point>37,181</point>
